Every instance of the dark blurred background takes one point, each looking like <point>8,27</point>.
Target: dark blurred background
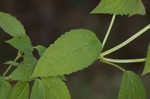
<point>46,20</point>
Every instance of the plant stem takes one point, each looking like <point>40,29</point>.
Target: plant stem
<point>108,31</point>
<point>125,60</point>
<point>127,41</point>
<point>9,67</point>
<point>115,65</point>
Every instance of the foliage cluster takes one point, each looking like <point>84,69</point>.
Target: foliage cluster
<point>73,51</point>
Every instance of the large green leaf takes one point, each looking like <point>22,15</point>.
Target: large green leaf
<point>20,91</point>
<point>11,25</point>
<point>120,7</point>
<point>147,65</point>
<point>50,88</point>
<point>72,52</point>
<point>131,87</point>
<point>4,88</point>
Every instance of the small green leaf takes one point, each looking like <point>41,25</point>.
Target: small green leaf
<point>11,25</point>
<point>20,91</point>
<point>132,87</point>
<point>24,71</point>
<point>40,49</point>
<point>4,88</point>
<point>29,58</point>
<point>120,7</point>
<point>147,65</point>
<point>140,9</point>
<point>50,88</point>
<point>14,28</point>
<point>13,63</point>
<point>22,43</point>
<point>73,51</point>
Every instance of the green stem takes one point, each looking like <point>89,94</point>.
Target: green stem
<point>115,65</point>
<point>125,60</point>
<point>127,41</point>
<point>9,67</point>
<point>108,31</point>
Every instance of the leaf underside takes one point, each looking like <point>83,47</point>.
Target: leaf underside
<point>120,7</point>
<point>72,52</point>
<point>132,87</point>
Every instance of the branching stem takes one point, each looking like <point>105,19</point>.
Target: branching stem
<point>115,65</point>
<point>9,67</point>
<point>127,41</point>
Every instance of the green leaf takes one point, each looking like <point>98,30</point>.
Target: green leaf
<point>120,7</point>
<point>4,88</point>
<point>140,9</point>
<point>147,65</point>
<point>50,88</point>
<point>24,71</point>
<point>38,90</point>
<point>20,91</point>
<point>132,87</point>
<point>22,43</point>
<point>11,25</point>
<point>29,58</point>
<point>14,28</point>
<point>73,51</point>
<point>40,49</point>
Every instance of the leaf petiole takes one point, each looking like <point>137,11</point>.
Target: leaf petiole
<point>124,60</point>
<point>127,41</point>
<point>108,31</point>
<point>114,65</point>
